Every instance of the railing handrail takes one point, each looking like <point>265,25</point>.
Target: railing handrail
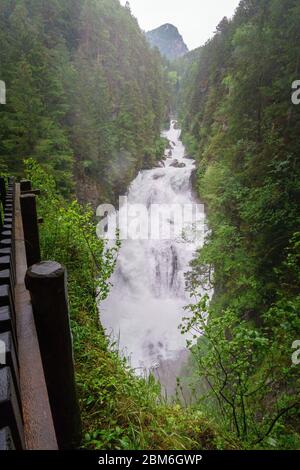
<point>25,414</point>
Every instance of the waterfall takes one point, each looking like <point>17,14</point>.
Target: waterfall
<point>147,300</point>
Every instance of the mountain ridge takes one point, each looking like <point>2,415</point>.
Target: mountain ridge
<point>168,40</point>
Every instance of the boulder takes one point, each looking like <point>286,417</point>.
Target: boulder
<point>158,176</point>
<point>177,164</point>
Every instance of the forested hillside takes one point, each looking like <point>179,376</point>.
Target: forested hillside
<point>240,124</point>
<point>86,97</point>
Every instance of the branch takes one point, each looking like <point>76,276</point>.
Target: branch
<point>283,412</point>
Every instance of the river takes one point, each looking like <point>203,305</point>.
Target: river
<point>146,303</point>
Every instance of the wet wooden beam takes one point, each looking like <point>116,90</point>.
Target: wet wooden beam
<point>47,284</point>
<point>38,423</point>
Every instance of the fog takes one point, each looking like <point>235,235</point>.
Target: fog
<point>195,19</point>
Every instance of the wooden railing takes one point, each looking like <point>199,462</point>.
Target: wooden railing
<point>38,404</point>
<point>11,420</point>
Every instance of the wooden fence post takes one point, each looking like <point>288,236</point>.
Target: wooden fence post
<point>46,282</point>
<point>31,229</point>
<point>25,185</point>
<point>2,190</point>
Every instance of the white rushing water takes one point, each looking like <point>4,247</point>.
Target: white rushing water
<point>146,303</point>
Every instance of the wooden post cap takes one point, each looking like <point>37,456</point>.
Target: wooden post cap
<point>45,270</point>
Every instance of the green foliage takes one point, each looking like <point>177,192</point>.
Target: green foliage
<point>85,94</point>
<point>69,237</point>
<point>247,374</point>
<point>241,127</point>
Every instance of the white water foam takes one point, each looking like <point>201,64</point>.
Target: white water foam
<point>146,303</point>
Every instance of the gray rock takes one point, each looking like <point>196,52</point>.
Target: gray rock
<point>177,164</point>
<point>158,176</point>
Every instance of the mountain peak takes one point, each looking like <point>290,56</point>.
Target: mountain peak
<point>168,40</point>
<point>168,26</point>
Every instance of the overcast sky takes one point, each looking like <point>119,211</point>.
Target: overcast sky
<point>195,19</point>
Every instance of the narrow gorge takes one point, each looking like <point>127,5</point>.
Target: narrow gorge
<point>146,304</point>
